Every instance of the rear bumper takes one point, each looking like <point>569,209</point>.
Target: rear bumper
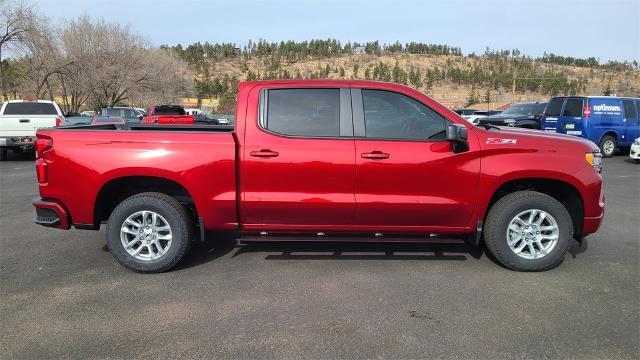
<point>51,214</point>
<point>22,142</point>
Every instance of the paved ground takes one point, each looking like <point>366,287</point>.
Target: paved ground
<point>62,295</point>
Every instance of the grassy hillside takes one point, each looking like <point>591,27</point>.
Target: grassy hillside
<point>438,70</point>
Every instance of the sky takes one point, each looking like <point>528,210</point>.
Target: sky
<point>607,30</point>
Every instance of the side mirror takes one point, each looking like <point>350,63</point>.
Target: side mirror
<point>458,135</point>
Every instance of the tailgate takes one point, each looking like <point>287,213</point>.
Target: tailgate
<point>24,125</point>
<point>175,119</point>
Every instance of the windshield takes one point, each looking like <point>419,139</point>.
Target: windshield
<point>525,109</point>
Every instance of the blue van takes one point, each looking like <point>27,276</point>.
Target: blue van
<point>608,121</point>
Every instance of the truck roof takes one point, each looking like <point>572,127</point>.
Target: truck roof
<point>31,101</point>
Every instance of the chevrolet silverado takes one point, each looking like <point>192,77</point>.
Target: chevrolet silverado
<point>322,160</point>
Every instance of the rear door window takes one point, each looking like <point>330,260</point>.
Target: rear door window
<point>629,109</point>
<point>30,108</point>
<point>554,107</point>
<point>303,112</point>
<point>573,108</point>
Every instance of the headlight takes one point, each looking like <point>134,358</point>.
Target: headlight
<point>637,142</point>
<point>594,159</point>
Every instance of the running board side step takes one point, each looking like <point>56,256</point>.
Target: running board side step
<point>324,238</point>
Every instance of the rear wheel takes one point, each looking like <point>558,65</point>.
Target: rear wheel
<point>528,231</point>
<point>149,232</point>
<point>608,146</point>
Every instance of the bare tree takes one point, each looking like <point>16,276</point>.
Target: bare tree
<point>107,64</point>
<point>18,21</point>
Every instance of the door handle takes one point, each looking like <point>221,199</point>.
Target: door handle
<point>25,120</point>
<point>264,153</point>
<point>375,155</point>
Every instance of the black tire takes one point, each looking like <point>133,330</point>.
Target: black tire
<point>4,152</point>
<point>176,216</point>
<point>606,150</point>
<point>505,209</point>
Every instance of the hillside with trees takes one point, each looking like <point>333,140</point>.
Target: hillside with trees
<point>439,70</point>
<point>89,63</point>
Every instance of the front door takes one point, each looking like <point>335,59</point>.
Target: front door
<point>297,171</point>
<point>407,177</point>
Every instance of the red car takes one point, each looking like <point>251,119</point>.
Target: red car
<point>168,114</point>
<point>323,160</point>
<point>105,120</point>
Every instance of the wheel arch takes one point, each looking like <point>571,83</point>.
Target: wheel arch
<point>117,189</point>
<point>563,191</point>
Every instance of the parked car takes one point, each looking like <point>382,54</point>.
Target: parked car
<point>129,114</point>
<point>89,113</point>
<point>191,111</point>
<point>323,160</point>
<point>77,120</point>
<point>523,115</point>
<point>610,122</point>
<point>477,115</point>
<point>210,120</point>
<point>634,152</point>
<point>464,112</point>
<point>19,120</point>
<point>168,114</point>
<point>104,120</point>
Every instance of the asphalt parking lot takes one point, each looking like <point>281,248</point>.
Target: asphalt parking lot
<point>63,295</point>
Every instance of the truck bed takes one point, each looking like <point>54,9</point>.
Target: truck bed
<point>85,158</point>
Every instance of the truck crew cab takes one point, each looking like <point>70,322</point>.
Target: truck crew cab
<point>323,160</point>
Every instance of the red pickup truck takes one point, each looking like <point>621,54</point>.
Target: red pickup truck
<point>323,160</point>
<point>167,114</point>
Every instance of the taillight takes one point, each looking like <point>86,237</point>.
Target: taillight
<point>586,111</point>
<point>58,122</point>
<point>41,170</point>
<point>43,144</point>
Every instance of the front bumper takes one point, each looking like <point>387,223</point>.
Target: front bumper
<point>635,152</point>
<point>591,224</point>
<point>50,213</point>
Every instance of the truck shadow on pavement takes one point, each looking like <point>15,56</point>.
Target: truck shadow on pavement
<point>218,245</point>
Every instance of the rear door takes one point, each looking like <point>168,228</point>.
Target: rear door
<point>630,122</point>
<point>297,167</point>
<point>570,120</point>
<point>552,114</point>
<point>407,177</point>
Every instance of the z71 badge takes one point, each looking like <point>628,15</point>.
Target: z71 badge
<point>501,141</point>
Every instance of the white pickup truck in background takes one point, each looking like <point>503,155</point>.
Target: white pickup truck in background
<point>19,120</point>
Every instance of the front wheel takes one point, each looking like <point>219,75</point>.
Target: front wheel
<point>528,231</point>
<point>608,146</point>
<point>149,232</point>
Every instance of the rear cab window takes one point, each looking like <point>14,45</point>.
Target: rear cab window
<point>303,112</point>
<point>30,108</point>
